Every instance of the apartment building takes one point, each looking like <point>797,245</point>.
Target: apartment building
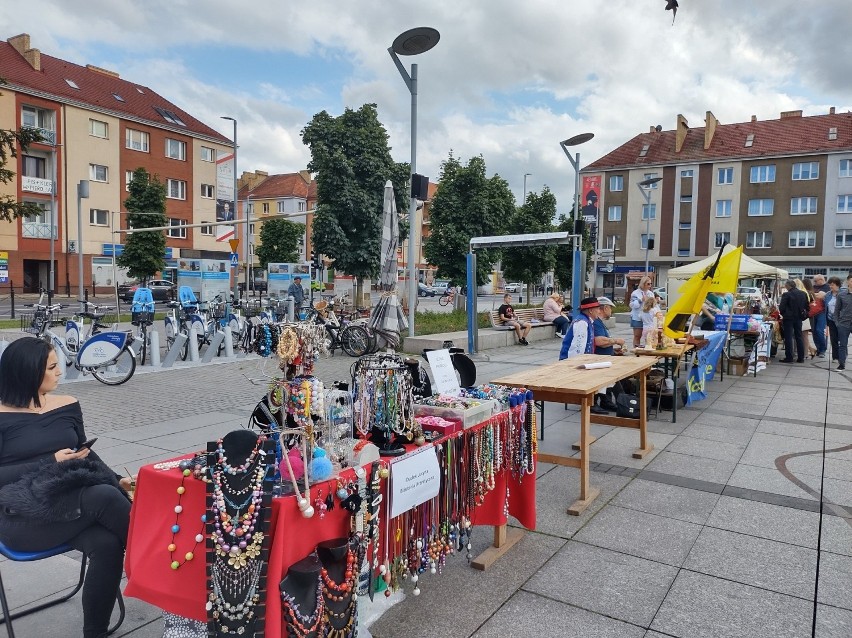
<point>782,188</point>
<point>97,127</point>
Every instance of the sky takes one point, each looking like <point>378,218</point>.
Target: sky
<point>507,80</point>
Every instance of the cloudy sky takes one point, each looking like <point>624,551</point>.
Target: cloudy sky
<point>507,80</point>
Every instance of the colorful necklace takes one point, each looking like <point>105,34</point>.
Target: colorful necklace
<point>299,624</point>
<point>199,538</point>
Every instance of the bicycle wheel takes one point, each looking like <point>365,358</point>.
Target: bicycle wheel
<point>444,300</point>
<point>143,349</point>
<point>355,341</point>
<point>118,371</point>
<point>373,345</point>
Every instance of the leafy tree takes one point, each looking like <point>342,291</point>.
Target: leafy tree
<point>535,216</point>
<point>279,241</point>
<point>467,204</point>
<point>351,157</point>
<point>143,254</point>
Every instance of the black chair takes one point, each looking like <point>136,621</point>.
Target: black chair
<point>33,556</point>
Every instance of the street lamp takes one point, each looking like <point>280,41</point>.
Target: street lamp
<point>412,42</point>
<point>82,193</point>
<point>525,188</point>
<point>578,268</point>
<point>645,188</point>
<point>235,290</point>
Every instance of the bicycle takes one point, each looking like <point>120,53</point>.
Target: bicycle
<point>142,316</point>
<point>447,298</point>
<point>74,329</point>
<point>107,356</point>
<point>352,338</point>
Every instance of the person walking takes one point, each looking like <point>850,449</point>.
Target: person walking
<point>637,298</point>
<point>793,308</point>
<point>819,321</point>
<point>296,291</point>
<point>807,286</point>
<point>834,285</point>
<point>843,319</point>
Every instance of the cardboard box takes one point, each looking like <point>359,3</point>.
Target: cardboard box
<point>737,366</point>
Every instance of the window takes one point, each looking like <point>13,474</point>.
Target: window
<point>98,173</point>
<point>128,177</point>
<point>687,172</point>
<point>761,207</point>
<point>175,149</point>
<point>208,154</point>
<point>98,129</point>
<point>118,97</point>
<point>265,208</point>
<point>250,208</point>
<point>803,206</point>
<point>844,203</point>
<point>651,176</point>
<point>137,140</point>
<point>612,242</point>
<point>169,116</point>
<point>176,189</point>
<point>613,214</point>
<point>33,166</point>
<point>98,217</point>
<point>177,230</point>
<point>683,252</point>
<point>845,168</point>
<point>616,183</point>
<point>36,118</point>
<point>644,240</point>
<point>686,199</point>
<point>723,207</point>
<point>762,174</point>
<point>649,211</point>
<point>207,191</point>
<point>303,205</point>
<point>759,239</point>
<point>251,229</point>
<point>685,226</point>
<point>843,239</point>
<point>802,239</point>
<point>721,239</point>
<point>725,175</point>
<point>282,207</point>
<point>806,170</point>
<point>208,230</point>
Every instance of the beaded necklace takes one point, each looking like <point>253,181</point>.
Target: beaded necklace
<point>299,624</point>
<point>199,538</point>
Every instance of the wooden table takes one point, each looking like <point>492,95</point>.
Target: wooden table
<point>566,382</point>
<point>667,354</point>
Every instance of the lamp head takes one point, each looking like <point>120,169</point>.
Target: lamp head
<point>415,41</point>
<point>582,138</point>
<point>645,183</point>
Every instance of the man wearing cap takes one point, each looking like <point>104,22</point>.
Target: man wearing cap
<point>606,345</point>
<point>580,338</point>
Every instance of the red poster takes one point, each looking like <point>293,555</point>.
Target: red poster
<point>591,194</point>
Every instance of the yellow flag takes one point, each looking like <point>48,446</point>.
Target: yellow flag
<point>692,293</point>
<point>727,274</point>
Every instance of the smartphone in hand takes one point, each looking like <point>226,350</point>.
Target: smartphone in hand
<point>87,444</point>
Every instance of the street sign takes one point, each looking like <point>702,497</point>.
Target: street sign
<point>235,260</point>
<point>234,244</point>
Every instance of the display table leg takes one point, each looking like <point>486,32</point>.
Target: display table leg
<point>579,444</point>
<point>587,493</point>
<point>676,377</point>
<point>504,538</point>
<point>644,446</point>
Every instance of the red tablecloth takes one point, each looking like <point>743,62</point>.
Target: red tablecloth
<point>183,591</point>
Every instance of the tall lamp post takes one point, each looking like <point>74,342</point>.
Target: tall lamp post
<point>578,268</point>
<point>82,193</point>
<point>412,42</point>
<point>645,188</point>
<point>525,188</point>
<point>235,290</point>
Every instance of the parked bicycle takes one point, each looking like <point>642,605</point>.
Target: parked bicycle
<point>77,331</point>
<point>142,316</point>
<point>353,339</point>
<point>447,298</point>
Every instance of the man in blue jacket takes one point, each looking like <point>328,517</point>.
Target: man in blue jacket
<point>580,338</point>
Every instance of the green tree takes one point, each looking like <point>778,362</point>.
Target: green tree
<point>144,252</point>
<point>467,204</point>
<point>535,216</point>
<point>10,209</point>
<point>279,241</point>
<point>351,158</point>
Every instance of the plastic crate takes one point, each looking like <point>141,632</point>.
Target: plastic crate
<point>739,322</point>
<point>469,417</point>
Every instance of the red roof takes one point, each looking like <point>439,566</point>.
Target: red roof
<point>285,185</point>
<point>792,135</point>
<point>96,89</point>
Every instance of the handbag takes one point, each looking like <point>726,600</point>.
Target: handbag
<point>627,406</point>
<point>815,307</point>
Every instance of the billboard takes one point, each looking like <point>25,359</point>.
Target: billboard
<point>591,193</point>
<point>280,276</point>
<point>225,196</point>
<point>4,268</point>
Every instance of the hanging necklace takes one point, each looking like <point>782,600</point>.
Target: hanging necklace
<point>199,538</point>
<point>300,624</point>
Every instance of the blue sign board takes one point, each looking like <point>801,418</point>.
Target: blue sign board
<point>119,248</point>
<point>235,260</point>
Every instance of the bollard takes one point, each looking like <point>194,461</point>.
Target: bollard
<point>154,348</point>
<point>229,342</point>
<point>174,352</point>
<point>291,305</point>
<point>213,346</point>
<point>193,344</point>
<point>69,372</point>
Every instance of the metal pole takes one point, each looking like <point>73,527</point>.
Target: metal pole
<point>647,195</point>
<point>246,238</point>
<point>82,193</point>
<point>52,276</point>
<point>112,240</point>
<point>525,188</point>
<point>577,276</point>
<point>412,210</point>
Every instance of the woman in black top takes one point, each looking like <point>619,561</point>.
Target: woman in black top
<point>51,490</point>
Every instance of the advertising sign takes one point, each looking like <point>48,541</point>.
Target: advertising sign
<point>280,276</point>
<point>225,187</point>
<point>4,267</point>
<point>591,195</point>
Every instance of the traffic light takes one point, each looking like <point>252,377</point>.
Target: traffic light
<point>316,261</point>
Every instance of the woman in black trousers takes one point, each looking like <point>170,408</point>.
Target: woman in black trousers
<point>52,490</point>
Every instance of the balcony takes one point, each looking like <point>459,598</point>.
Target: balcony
<point>37,230</point>
<point>37,185</point>
<point>48,136</point>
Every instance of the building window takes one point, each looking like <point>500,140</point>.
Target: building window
<point>136,140</point>
<point>644,240</point>
<point>251,229</point>
<point>128,177</point>
<point>844,203</point>
<point>843,238</point>
<point>207,191</point>
<point>802,239</point>
<point>683,252</point>
<point>685,226</point>
<point>726,175</point>
<point>265,208</point>
<point>250,208</point>
<point>723,207</point>
<point>761,207</point>
<point>803,206</point>
<point>686,199</point>
<point>177,230</point>
<point>612,242</point>
<point>98,129</point>
<point>33,166</point>
<point>687,172</point>
<point>616,183</point>
<point>651,176</point>
<point>806,170</point>
<point>845,168</point>
<point>282,207</point>
<point>208,230</point>
<point>33,117</point>
<point>613,214</point>
<point>175,149</point>
<point>303,205</point>
<point>176,189</point>
<point>762,174</point>
<point>721,239</point>
<point>208,154</point>
<point>649,211</point>
<point>98,217</point>
<point>759,239</point>
<point>98,173</point>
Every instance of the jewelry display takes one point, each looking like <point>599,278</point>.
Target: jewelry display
<point>302,601</point>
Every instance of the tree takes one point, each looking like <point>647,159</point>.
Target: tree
<point>351,157</point>
<point>144,252</point>
<point>535,216</point>
<point>467,204</point>
<point>279,241</point>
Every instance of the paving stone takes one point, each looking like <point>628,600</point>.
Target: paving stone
<point>764,449</point>
<point>763,520</point>
<point>711,470</point>
<point>805,431</point>
<point>715,433</point>
<point>526,615</point>
<point>657,538</point>
<point>699,606</point>
<point>833,622</point>
<point>796,409</point>
<point>770,480</point>
<point>720,450</point>
<point>735,422</point>
<point>835,580</point>
<point>837,534</point>
<point>671,501</point>
<point>613,584</point>
<point>812,464</point>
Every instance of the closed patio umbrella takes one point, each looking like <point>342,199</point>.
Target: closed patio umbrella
<point>387,318</point>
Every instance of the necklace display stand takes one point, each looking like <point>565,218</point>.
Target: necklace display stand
<point>339,573</point>
<point>302,600</point>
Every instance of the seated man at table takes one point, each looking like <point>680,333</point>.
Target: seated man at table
<point>579,338</point>
<point>606,345</point>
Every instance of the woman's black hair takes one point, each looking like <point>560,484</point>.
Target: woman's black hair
<point>22,367</point>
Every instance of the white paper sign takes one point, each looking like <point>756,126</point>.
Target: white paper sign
<point>414,480</point>
<point>444,379</point>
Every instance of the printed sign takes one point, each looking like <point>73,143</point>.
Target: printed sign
<point>444,376</point>
<point>4,267</point>
<point>414,480</point>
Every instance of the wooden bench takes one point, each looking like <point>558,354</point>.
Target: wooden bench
<point>534,315</point>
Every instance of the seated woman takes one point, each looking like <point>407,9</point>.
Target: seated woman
<point>553,312</point>
<point>52,490</point>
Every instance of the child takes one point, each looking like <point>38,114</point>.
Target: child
<point>650,310</point>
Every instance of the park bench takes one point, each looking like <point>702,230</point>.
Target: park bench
<point>533,315</point>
